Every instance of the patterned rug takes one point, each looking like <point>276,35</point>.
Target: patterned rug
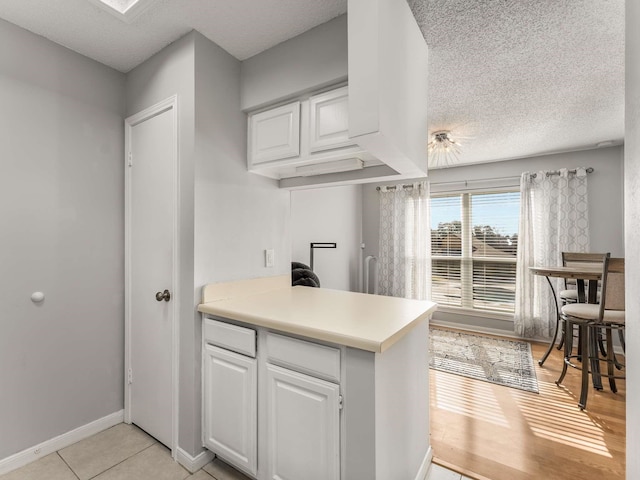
<point>505,362</point>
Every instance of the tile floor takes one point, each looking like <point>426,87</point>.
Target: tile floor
<point>125,452</point>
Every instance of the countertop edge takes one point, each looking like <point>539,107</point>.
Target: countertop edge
<point>360,343</point>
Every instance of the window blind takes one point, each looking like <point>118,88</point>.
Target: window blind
<point>474,244</point>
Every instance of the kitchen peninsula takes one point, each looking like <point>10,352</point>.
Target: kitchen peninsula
<point>313,383</point>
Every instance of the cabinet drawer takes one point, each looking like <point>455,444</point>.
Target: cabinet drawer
<point>306,357</point>
<point>232,337</point>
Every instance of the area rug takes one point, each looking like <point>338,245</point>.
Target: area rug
<point>504,362</point>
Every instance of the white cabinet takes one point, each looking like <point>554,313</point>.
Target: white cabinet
<point>303,426</point>
<point>329,120</point>
<point>231,406</point>
<point>286,388</point>
<point>310,131</point>
<point>274,134</point>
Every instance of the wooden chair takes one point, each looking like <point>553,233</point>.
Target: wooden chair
<point>592,319</point>
<point>570,294</point>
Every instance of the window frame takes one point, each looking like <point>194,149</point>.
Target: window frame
<point>466,259</point>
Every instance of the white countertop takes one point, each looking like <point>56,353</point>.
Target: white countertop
<point>366,322</point>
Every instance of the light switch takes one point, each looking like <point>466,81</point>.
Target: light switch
<point>269,257</point>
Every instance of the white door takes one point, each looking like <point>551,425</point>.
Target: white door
<point>231,407</point>
<point>150,303</point>
<point>303,423</point>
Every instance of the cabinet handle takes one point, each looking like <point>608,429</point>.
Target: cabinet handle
<point>166,296</point>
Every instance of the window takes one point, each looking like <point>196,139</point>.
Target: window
<point>474,238</point>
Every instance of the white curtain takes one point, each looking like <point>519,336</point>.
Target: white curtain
<point>404,268</point>
<point>554,217</point>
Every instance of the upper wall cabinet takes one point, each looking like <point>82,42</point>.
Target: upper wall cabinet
<point>275,134</point>
<point>379,50</point>
<point>329,120</point>
<point>304,137</point>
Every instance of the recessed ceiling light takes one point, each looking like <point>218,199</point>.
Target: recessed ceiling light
<point>125,10</point>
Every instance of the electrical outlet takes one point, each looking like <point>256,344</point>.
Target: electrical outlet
<point>269,257</point>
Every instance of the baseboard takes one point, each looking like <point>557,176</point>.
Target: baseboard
<point>425,466</point>
<point>193,464</point>
<point>36,452</point>
<point>478,329</point>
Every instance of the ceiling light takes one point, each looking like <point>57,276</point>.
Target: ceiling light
<point>335,166</point>
<point>606,143</point>
<point>443,150</point>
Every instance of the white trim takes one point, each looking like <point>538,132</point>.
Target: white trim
<point>170,103</point>
<point>451,310</point>
<point>193,464</point>
<point>425,466</point>
<point>479,329</point>
<point>36,452</point>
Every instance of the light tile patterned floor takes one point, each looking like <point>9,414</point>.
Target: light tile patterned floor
<point>125,452</point>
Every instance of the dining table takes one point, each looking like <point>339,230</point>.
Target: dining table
<point>580,273</point>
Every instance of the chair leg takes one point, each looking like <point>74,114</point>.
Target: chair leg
<point>611,358</point>
<point>568,346</point>
<point>564,328</point>
<point>621,335</point>
<point>584,389</point>
<point>603,350</point>
<point>594,362</point>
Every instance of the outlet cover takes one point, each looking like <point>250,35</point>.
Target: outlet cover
<point>269,257</point>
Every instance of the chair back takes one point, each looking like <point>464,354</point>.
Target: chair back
<point>580,259</point>
<point>613,284</point>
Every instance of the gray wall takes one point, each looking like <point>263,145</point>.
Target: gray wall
<point>228,215</point>
<point>61,210</point>
<point>312,60</point>
<point>237,214</point>
<point>605,203</point>
<point>632,232</point>
<point>171,72</point>
<point>332,214</point>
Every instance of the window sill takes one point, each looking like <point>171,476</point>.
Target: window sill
<point>507,317</point>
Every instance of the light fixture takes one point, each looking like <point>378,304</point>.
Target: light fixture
<point>334,166</point>
<point>442,149</point>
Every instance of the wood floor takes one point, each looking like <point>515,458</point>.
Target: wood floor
<point>486,431</point>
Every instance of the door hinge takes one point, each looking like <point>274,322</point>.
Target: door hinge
<point>340,402</point>
<point>129,376</point>
<point>130,159</point>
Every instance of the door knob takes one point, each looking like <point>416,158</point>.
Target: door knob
<point>166,296</point>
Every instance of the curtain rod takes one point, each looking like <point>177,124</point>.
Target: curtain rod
<point>533,175</point>
<point>393,187</point>
<point>557,172</point>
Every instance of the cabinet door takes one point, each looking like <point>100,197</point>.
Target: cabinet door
<point>274,134</point>
<point>302,426</point>
<point>230,407</point>
<point>329,120</point>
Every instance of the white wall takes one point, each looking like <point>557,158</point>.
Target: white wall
<point>61,211</point>
<point>310,61</point>
<point>632,233</point>
<point>332,214</point>
<point>605,204</point>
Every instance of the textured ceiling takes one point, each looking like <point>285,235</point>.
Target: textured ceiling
<point>515,78</point>
<point>509,78</point>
